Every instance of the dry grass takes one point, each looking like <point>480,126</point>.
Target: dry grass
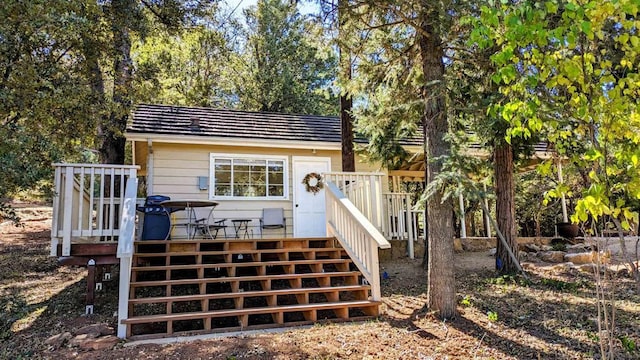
<point>551,316</point>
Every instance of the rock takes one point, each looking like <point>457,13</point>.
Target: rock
<point>561,267</point>
<point>588,268</point>
<point>543,241</point>
<point>80,339</point>
<point>578,248</point>
<point>101,343</point>
<point>580,258</point>
<point>101,329</point>
<point>58,340</point>
<point>552,256</point>
<point>492,252</point>
<point>532,248</point>
<point>546,248</point>
<point>623,272</point>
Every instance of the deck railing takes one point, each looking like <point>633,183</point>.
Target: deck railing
<point>399,220</point>
<point>390,213</point>
<point>357,235</point>
<point>364,190</point>
<point>87,204</point>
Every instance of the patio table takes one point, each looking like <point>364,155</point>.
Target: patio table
<point>189,206</point>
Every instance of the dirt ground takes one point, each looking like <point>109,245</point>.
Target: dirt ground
<point>551,315</point>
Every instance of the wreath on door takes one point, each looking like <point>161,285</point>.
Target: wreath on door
<point>313,182</point>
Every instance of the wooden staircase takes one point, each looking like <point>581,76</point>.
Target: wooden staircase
<point>181,287</point>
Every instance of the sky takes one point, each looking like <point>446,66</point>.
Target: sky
<point>305,7</point>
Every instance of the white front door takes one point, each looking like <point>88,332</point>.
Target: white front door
<point>309,218</point>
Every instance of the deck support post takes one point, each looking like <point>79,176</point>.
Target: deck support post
<point>463,225</point>
<point>408,224</point>
<point>91,279</point>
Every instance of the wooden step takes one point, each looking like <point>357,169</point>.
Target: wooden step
<point>252,311</point>
<point>235,252</point>
<point>240,264</point>
<point>223,240</point>
<point>228,256</point>
<point>268,287</point>
<point>244,278</point>
<point>255,293</point>
<point>227,244</point>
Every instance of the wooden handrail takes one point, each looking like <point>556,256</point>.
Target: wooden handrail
<point>357,235</point>
<point>125,250</point>
<point>128,219</point>
<point>97,166</point>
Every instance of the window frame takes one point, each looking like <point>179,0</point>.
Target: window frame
<point>227,156</point>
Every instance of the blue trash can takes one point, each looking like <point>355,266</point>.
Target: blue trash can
<point>156,223</point>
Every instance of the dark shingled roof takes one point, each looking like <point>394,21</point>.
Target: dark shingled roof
<point>177,120</point>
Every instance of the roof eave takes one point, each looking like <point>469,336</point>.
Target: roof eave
<point>227,141</point>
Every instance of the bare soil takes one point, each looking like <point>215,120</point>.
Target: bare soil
<point>550,316</point>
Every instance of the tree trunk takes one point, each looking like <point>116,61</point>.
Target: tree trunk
<point>92,52</point>
<point>111,132</point>
<point>346,103</point>
<point>505,206</point>
<point>348,158</point>
<point>441,294</point>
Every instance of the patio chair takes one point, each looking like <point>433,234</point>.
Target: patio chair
<point>210,227</point>
<point>273,218</point>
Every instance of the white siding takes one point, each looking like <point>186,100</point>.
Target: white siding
<point>177,167</point>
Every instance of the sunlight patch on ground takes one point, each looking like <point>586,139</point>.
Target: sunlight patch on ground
<point>43,288</point>
<point>402,307</point>
<point>27,321</point>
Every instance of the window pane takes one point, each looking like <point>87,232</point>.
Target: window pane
<point>276,190</point>
<point>261,190</point>
<point>276,173</point>
<point>222,190</point>
<point>222,164</point>
<point>222,177</point>
<point>249,178</point>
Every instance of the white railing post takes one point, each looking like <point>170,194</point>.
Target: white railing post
<point>57,185</point>
<point>67,212</point>
<point>375,204</point>
<point>125,251</point>
<point>374,266</point>
<point>409,226</point>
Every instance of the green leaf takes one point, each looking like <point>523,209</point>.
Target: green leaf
<point>586,28</point>
<point>593,155</point>
<point>573,71</point>
<point>623,39</point>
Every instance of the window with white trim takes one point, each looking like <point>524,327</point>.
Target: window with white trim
<point>248,177</point>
